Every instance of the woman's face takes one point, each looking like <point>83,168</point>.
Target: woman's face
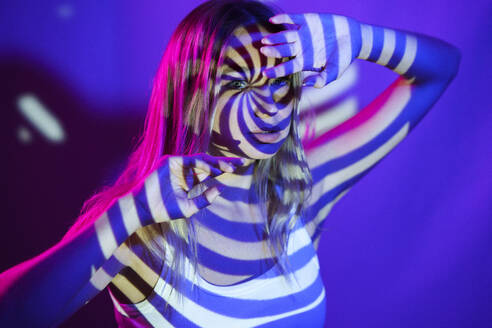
<point>253,114</point>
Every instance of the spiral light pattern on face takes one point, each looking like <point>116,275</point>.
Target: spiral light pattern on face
<point>250,106</point>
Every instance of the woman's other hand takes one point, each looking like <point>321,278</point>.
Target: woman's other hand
<point>322,43</point>
<point>181,186</point>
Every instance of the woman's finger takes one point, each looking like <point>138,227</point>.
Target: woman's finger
<point>286,68</point>
<point>281,50</point>
<point>195,171</point>
<point>200,188</point>
<point>286,19</point>
<point>206,198</point>
<point>202,168</point>
<point>281,37</point>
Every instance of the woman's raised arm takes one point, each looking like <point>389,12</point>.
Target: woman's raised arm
<point>48,288</point>
<point>326,45</point>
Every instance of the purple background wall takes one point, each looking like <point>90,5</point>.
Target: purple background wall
<point>409,246</point>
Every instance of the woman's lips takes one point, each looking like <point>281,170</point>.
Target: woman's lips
<point>267,137</point>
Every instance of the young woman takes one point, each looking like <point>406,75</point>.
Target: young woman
<point>216,219</point>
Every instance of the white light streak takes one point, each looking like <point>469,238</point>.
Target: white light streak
<point>41,118</point>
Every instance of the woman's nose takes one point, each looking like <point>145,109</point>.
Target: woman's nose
<point>266,111</point>
<point>264,105</point>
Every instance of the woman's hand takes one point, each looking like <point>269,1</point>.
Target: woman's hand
<point>322,43</point>
<point>181,186</point>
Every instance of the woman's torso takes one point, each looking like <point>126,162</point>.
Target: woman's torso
<point>237,282</point>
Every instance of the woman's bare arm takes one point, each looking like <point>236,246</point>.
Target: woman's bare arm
<point>329,43</point>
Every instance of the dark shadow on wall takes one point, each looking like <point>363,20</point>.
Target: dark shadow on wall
<point>46,182</point>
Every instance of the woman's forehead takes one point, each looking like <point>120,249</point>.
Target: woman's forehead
<point>243,48</point>
<point>245,38</point>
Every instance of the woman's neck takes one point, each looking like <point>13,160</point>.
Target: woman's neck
<point>242,177</point>
<point>238,201</point>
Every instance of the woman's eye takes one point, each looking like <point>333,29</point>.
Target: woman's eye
<point>237,84</point>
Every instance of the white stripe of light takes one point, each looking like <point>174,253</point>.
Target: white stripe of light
<point>129,213</point>
<point>409,56</point>
<point>41,118</point>
<point>367,40</point>
<point>105,235</point>
<point>342,32</point>
<point>388,47</point>
<point>332,180</point>
<point>153,194</point>
<point>318,39</point>
<point>155,317</point>
<point>251,250</point>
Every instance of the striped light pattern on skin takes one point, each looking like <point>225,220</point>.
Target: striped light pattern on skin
<point>249,104</point>
<point>388,48</point>
<point>201,304</point>
<point>314,42</point>
<point>105,235</point>
<point>235,266</point>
